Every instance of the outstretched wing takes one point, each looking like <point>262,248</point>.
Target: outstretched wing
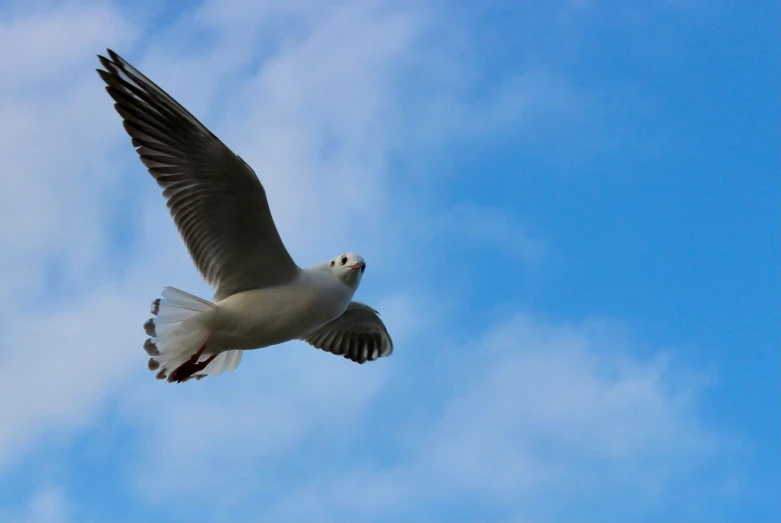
<point>358,335</point>
<point>215,198</point>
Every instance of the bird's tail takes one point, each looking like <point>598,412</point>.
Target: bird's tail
<point>177,343</point>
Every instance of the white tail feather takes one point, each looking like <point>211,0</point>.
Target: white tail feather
<point>225,361</point>
<point>176,336</point>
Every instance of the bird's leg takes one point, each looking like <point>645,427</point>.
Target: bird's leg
<point>186,370</point>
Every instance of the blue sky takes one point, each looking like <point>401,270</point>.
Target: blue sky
<point>570,214</point>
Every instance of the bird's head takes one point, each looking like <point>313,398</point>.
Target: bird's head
<point>348,267</point>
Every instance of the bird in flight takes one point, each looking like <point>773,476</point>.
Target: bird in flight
<point>220,208</point>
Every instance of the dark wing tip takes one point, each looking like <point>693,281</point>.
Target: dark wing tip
<point>114,56</point>
<point>113,63</point>
<point>105,62</point>
<point>105,76</point>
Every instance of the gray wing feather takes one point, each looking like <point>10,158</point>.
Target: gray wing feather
<point>358,335</point>
<point>215,198</point>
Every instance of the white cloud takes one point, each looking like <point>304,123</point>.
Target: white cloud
<point>48,505</point>
<point>548,385</point>
<point>55,145</point>
<point>59,367</point>
<point>230,439</point>
<point>51,43</point>
<point>535,412</point>
<point>493,228</point>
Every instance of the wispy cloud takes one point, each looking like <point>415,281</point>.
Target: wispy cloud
<point>48,505</point>
<point>535,412</point>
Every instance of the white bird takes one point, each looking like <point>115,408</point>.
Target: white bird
<point>262,297</point>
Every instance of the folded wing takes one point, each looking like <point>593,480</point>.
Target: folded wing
<point>215,198</point>
<point>358,335</point>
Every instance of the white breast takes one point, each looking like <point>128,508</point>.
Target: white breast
<point>262,317</point>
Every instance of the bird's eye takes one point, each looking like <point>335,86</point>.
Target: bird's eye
<point>332,263</point>
<point>363,267</point>
<point>344,260</point>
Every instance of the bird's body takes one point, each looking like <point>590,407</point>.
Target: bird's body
<point>262,317</point>
<point>218,204</point>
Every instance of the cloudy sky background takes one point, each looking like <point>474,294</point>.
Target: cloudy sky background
<point>570,213</point>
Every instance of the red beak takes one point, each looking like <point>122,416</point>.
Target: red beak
<point>357,266</point>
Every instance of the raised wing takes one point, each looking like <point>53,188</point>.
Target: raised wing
<point>215,198</point>
<point>358,335</point>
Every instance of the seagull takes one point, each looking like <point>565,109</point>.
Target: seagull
<point>219,206</point>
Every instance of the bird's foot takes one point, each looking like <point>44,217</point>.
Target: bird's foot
<point>186,370</point>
